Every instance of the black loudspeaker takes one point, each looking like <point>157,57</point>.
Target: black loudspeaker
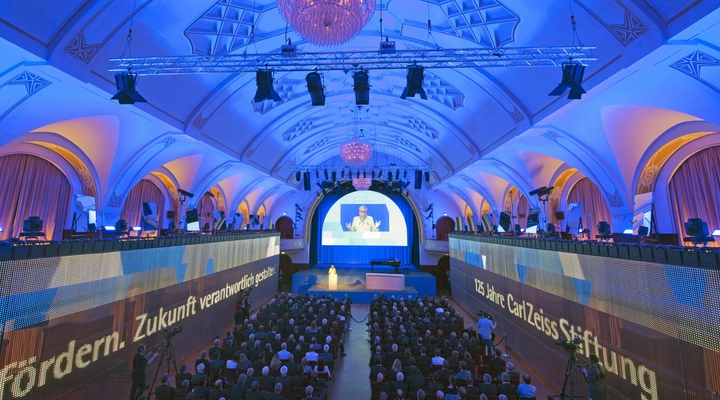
<point>603,228</point>
<point>418,179</point>
<point>170,214</point>
<point>306,181</point>
<point>559,215</point>
<point>643,231</point>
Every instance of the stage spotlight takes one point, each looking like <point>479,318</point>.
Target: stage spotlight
<point>571,79</point>
<point>427,176</point>
<point>380,174</point>
<point>397,174</point>
<point>373,174</point>
<point>357,174</point>
<point>306,181</point>
<point>405,174</point>
<point>326,174</point>
<point>317,174</point>
<point>603,229</point>
<point>361,86</point>
<point>697,231</point>
<point>643,231</point>
<point>364,174</point>
<point>127,94</point>
<point>315,88</point>
<point>334,176</point>
<point>415,76</point>
<point>265,91</point>
<point>297,176</point>
<point>342,174</point>
<point>121,226</point>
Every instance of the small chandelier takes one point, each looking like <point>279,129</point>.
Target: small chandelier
<point>356,153</point>
<point>362,183</point>
<point>327,22</point>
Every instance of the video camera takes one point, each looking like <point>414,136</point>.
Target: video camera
<point>482,314</point>
<point>171,332</point>
<point>571,346</point>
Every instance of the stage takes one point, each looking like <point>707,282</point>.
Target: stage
<point>351,280</point>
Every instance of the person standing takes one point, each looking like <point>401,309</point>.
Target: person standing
<point>486,326</point>
<point>596,378</point>
<point>138,375</point>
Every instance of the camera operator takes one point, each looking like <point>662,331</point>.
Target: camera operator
<point>138,376</point>
<point>486,325</point>
<point>595,378</point>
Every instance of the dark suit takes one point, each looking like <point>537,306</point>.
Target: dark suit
<point>506,388</point>
<point>415,382</point>
<point>488,388</point>
<point>216,394</point>
<point>164,392</point>
<point>378,387</point>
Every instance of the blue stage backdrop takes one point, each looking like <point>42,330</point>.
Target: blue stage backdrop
<point>363,254</point>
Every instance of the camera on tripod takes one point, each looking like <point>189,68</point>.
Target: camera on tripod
<point>482,314</point>
<point>571,346</point>
<point>171,332</point>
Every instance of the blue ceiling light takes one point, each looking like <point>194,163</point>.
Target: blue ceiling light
<point>265,91</point>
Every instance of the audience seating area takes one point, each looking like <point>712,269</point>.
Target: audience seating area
<point>293,342</point>
<point>424,342</point>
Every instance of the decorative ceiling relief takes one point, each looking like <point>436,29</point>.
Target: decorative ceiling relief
<point>516,115</point>
<point>227,26</point>
<point>300,128</point>
<point>79,48</point>
<point>609,13</point>
<point>629,30</point>
<point>199,121</point>
<point>614,200</point>
<point>418,125</point>
<point>441,91</point>
<point>317,145</point>
<point>487,22</point>
<point>552,135</point>
<point>695,63</point>
<point>407,144</point>
<point>32,83</point>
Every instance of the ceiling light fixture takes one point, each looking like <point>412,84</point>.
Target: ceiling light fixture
<point>415,76</point>
<point>571,79</point>
<point>315,88</point>
<point>265,91</point>
<point>327,22</point>
<point>127,93</point>
<point>361,81</point>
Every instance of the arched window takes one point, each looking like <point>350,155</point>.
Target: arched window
<point>443,227</point>
<point>284,225</point>
<point>206,211</point>
<point>522,210</point>
<point>32,186</point>
<point>594,207</point>
<point>144,191</point>
<point>694,190</point>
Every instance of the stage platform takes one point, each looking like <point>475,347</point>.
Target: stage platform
<point>351,280</point>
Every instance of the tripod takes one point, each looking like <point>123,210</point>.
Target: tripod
<point>569,378</point>
<point>168,353</point>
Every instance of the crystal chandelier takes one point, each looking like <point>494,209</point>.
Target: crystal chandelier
<point>362,183</point>
<point>327,22</point>
<point>356,152</point>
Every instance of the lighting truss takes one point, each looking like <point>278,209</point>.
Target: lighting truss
<point>347,61</point>
<point>364,168</point>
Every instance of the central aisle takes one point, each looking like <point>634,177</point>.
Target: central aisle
<point>352,371</point>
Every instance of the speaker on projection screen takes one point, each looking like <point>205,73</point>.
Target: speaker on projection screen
<point>504,225</point>
<point>192,223</point>
<point>150,218</point>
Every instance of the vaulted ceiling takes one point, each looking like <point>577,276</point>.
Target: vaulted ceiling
<point>480,128</point>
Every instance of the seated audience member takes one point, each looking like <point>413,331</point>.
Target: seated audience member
<point>415,381</point>
<point>434,385</point>
<point>526,390</point>
<point>199,378</point>
<point>321,367</point>
<point>266,381</point>
<point>487,387</point>
<point>164,391</point>
<point>472,391</point>
<point>203,360</point>
<point>300,380</point>
<point>243,363</point>
<point>377,368</point>
<point>420,394</point>
<point>239,390</point>
<point>232,363</point>
<point>514,375</point>
<point>184,390</point>
<point>506,387</point>
<point>399,383</point>
<point>502,397</point>
<point>276,394</point>
<point>437,360</point>
<point>254,393</point>
<point>284,379</point>
<point>183,375</point>
<point>218,392</point>
<point>497,363</point>
<point>250,373</point>
<point>379,385</point>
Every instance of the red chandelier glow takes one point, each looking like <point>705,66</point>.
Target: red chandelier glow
<point>356,153</point>
<point>362,183</point>
<point>327,22</point>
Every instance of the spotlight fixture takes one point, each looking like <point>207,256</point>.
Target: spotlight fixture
<point>603,229</point>
<point>571,79</point>
<point>415,76</point>
<point>127,94</point>
<point>326,174</point>
<point>297,176</point>
<point>342,174</point>
<point>697,232</point>
<point>364,174</point>
<point>317,174</point>
<point>357,174</point>
<point>315,88</point>
<point>361,86</point>
<point>373,174</point>
<point>427,176</point>
<point>265,91</point>
<point>380,174</point>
